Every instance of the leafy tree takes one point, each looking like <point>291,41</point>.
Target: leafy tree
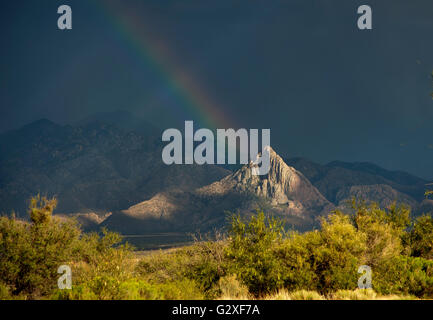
<point>404,275</point>
<point>204,263</point>
<point>421,237</point>
<point>32,252</point>
<point>384,230</point>
<point>41,209</point>
<point>324,260</point>
<point>251,252</point>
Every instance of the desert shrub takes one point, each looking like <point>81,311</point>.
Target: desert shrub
<point>32,252</point>
<point>102,266</point>
<point>103,256</point>
<point>109,288</point>
<point>324,260</point>
<point>185,289</point>
<point>251,254</point>
<point>258,259</point>
<point>209,264</point>
<point>404,275</point>
<point>78,292</point>
<point>102,287</point>
<point>4,292</point>
<point>397,216</point>
<point>204,263</point>
<point>384,230</point>
<point>337,260</point>
<point>41,209</point>
<point>421,237</point>
<point>297,260</point>
<point>230,288</point>
<point>163,266</point>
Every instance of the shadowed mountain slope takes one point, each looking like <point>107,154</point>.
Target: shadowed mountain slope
<point>284,191</point>
<point>92,168</point>
<point>334,179</point>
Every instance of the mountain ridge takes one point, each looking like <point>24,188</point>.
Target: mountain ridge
<point>97,169</point>
<point>334,176</point>
<point>284,191</point>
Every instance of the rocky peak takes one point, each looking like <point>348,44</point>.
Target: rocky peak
<point>285,189</point>
<point>283,185</point>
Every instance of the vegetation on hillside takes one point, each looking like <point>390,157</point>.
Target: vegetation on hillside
<point>257,258</point>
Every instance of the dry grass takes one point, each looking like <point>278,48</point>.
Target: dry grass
<point>305,295</point>
<point>283,294</point>
<point>364,294</point>
<point>232,289</point>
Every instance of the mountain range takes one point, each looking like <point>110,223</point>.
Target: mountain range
<point>284,191</point>
<point>113,176</point>
<point>96,167</point>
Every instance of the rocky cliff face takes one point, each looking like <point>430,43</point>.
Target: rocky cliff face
<point>283,191</point>
<point>283,186</point>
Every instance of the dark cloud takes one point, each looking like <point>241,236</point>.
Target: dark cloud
<point>302,68</point>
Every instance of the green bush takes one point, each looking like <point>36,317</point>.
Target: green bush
<point>251,253</point>
<point>421,237</point>
<point>323,260</point>
<point>257,259</point>
<point>32,252</point>
<point>204,263</point>
<point>297,261</point>
<point>384,230</point>
<point>230,288</point>
<point>4,292</point>
<point>103,256</point>
<point>405,275</point>
<point>109,288</point>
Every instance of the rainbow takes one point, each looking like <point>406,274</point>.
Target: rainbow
<point>157,55</point>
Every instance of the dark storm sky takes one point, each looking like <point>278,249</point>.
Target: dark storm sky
<point>327,90</point>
